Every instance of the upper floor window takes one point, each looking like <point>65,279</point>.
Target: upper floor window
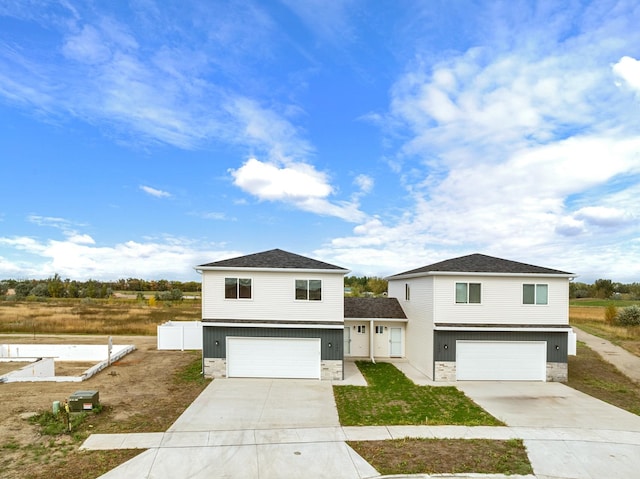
<point>237,288</point>
<point>379,329</point>
<point>309,289</point>
<point>468,293</point>
<point>407,292</point>
<point>535,294</point>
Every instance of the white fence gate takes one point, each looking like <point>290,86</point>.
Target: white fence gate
<point>180,335</point>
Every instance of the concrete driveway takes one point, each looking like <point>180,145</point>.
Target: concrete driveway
<point>233,404</point>
<point>568,434</point>
<point>266,428</point>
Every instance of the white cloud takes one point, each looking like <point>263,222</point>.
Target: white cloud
<point>155,192</point>
<point>603,216</point>
<point>88,46</point>
<point>270,182</point>
<point>117,75</point>
<point>629,70</point>
<point>79,258</point>
<point>267,130</point>
<point>211,215</point>
<point>328,20</point>
<point>364,182</point>
<point>569,226</point>
<point>297,184</point>
<point>528,153</point>
<point>52,221</point>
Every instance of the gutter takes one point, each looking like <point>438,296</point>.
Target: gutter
<point>371,341</point>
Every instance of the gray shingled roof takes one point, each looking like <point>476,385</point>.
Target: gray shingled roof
<point>373,308</point>
<point>275,258</point>
<point>480,263</point>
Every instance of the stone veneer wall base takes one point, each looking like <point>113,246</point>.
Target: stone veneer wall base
<point>557,372</point>
<point>331,370</point>
<point>446,371</point>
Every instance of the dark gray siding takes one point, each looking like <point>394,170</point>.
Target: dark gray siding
<point>211,334</point>
<point>449,338</point>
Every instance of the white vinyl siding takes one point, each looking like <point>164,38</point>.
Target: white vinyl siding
<point>273,297</point>
<point>501,301</point>
<point>420,311</point>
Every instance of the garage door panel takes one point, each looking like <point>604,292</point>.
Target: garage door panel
<point>273,357</point>
<point>501,360</point>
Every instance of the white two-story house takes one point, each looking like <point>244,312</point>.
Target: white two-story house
<point>273,314</point>
<point>483,318</point>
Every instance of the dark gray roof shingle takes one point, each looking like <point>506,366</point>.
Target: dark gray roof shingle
<point>275,258</point>
<point>480,263</point>
<point>373,308</point>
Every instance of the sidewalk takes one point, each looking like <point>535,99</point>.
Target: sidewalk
<point>627,363</point>
<point>257,437</point>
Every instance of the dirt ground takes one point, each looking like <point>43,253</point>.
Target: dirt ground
<point>139,393</point>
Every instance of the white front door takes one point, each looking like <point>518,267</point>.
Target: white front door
<point>501,360</point>
<point>395,342</point>
<point>273,357</point>
<point>347,340</point>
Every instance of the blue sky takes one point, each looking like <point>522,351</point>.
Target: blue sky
<point>142,138</point>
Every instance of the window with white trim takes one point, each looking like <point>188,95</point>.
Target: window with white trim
<point>468,293</point>
<point>379,329</point>
<point>535,294</point>
<point>407,292</point>
<point>237,288</point>
<point>308,289</point>
<point>361,329</point>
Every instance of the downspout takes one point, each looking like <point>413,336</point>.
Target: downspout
<point>371,341</point>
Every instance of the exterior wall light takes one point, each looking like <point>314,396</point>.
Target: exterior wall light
<point>329,345</point>
<point>217,343</point>
<point>446,346</point>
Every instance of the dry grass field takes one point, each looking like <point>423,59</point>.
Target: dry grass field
<point>75,316</point>
<point>592,320</point>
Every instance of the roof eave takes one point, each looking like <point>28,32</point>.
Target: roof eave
<point>272,270</point>
<point>475,273</point>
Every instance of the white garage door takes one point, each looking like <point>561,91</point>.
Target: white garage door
<point>501,360</point>
<point>273,358</point>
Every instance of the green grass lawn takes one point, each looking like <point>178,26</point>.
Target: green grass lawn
<point>618,303</point>
<point>392,399</point>
<point>592,375</point>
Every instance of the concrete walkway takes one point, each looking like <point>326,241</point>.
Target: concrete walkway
<point>627,363</point>
<point>568,435</point>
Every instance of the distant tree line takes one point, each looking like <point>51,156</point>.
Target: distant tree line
<point>56,287</point>
<point>605,289</point>
<point>365,286</point>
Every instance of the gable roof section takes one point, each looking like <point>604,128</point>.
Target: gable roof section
<point>480,263</point>
<point>373,308</point>
<point>273,259</point>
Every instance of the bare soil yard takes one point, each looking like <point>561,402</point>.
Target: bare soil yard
<point>146,391</point>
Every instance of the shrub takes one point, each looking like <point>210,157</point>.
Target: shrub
<point>629,316</point>
<point>173,295</point>
<point>610,313</point>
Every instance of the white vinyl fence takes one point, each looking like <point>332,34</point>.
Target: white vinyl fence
<point>180,335</point>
